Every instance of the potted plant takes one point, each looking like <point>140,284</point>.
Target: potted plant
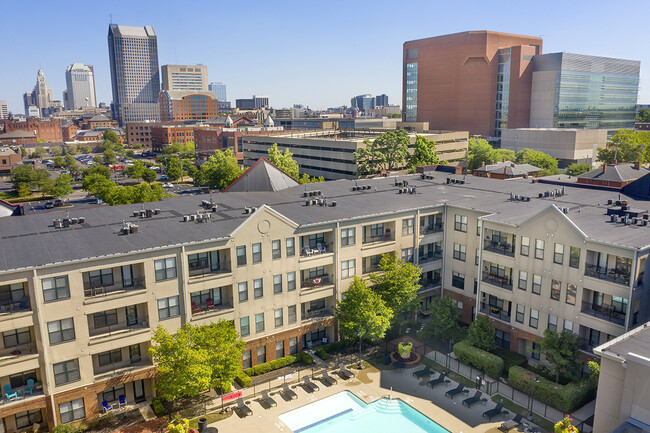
<point>404,349</point>
<point>179,425</point>
<point>565,426</point>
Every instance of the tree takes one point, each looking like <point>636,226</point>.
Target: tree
<point>98,159</point>
<point>576,169</point>
<point>444,319</point>
<point>73,149</point>
<point>135,171</point>
<point>306,179</point>
<point>398,285</point>
<point>23,152</point>
<point>224,349</point>
<point>61,187</point>
<point>55,151</point>
<point>75,168</point>
<point>219,171</point>
<point>69,160</point>
<point>546,162</point>
<point>424,153</point>
<point>626,145</point>
<point>39,152</point>
<point>388,151</point>
<point>173,169</point>
<point>98,169</point>
<point>480,152</point>
<point>148,175</point>
<point>643,116</point>
<point>22,177</point>
<point>369,159</point>
<point>284,161</point>
<point>111,137</point>
<point>130,153</point>
<point>481,334</point>
<point>362,313</point>
<point>59,162</point>
<point>109,156</point>
<point>85,149</point>
<point>561,350</point>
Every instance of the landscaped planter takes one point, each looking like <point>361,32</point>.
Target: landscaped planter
<point>411,361</point>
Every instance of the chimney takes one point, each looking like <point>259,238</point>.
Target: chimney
<point>503,159</point>
<point>637,165</point>
<point>604,168</point>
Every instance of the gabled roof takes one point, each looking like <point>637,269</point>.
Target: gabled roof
<point>99,118</point>
<point>510,168</point>
<point>262,176</point>
<point>18,133</point>
<point>616,173</point>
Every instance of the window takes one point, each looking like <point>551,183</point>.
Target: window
<point>277,283</point>
<point>61,330</point>
<point>535,352</point>
<point>246,359</point>
<point>502,339</point>
<point>278,317</point>
<point>241,255</point>
<point>571,291</point>
<point>460,223</point>
<point>55,288</point>
<point>520,313</point>
<point>29,418</point>
<point>458,280</point>
<point>292,313</point>
<point>534,318</point>
<point>110,357</point>
<point>261,354</point>
<point>244,326</point>
<point>243,291</point>
<point>376,230</point>
<point>460,252</point>
<point>619,304</point>
<point>348,268</point>
<point>537,284</point>
<point>291,247</point>
<point>258,288</point>
<point>539,249</point>
<point>101,278</point>
<point>165,268</point>
<point>558,255</point>
<point>293,345</point>
<point>525,246</point>
<point>291,281</point>
<point>112,394</point>
<point>523,280</point>
<point>66,372</point>
<point>16,337</point>
<point>407,226</point>
<point>476,258</point>
<point>257,253</point>
<point>347,236</point>
<point>168,307</point>
<point>556,289</point>
<point>552,323</point>
<point>105,318</point>
<point>407,255</point>
<point>275,249</point>
<point>259,322</point>
<point>568,325</point>
<point>574,257</point>
<point>279,350</point>
<point>201,298</point>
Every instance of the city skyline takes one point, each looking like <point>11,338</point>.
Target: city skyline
<point>371,65</point>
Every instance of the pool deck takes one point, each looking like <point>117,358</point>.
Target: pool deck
<point>369,385</point>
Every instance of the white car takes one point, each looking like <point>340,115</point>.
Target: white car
<point>167,185</point>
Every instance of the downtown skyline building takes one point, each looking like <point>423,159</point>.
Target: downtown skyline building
<point>185,77</point>
<point>80,87</point>
<point>39,100</point>
<point>135,78</point>
<point>219,90</point>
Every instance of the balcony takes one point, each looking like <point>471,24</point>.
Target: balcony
<point>431,229</point>
<point>318,281</point>
<point>11,355</point>
<point>504,248</point>
<point>369,268</point>
<point>373,239</point>
<point>315,315</point>
<point>202,268</point>
<point>122,368</point>
<point>9,307</point>
<point>208,309</point>
<point>505,282</point>
<point>117,330</point>
<point>95,290</point>
<point>316,250</point>
<point>23,394</point>
<point>437,255</point>
<point>496,312</point>
<point>605,312</point>
<point>614,275</point>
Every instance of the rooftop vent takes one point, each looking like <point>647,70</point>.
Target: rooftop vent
<point>249,210</point>
<point>67,222</point>
<point>129,228</point>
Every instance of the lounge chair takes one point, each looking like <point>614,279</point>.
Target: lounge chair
<point>327,378</point>
<point>106,406</point>
<point>345,372</point>
<point>268,400</point>
<point>309,384</point>
<point>308,250</point>
<point>287,391</point>
<point>473,399</point>
<point>454,392</point>
<point>9,393</point>
<point>437,381</point>
<point>424,372</point>
<point>29,387</point>
<point>121,400</point>
<point>498,410</point>
<point>321,248</point>
<point>512,423</point>
<point>243,408</point>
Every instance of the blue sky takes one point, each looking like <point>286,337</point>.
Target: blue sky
<point>317,53</point>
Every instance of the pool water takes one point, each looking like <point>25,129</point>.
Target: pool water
<point>346,413</point>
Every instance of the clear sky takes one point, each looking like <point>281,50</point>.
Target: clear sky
<point>316,53</point>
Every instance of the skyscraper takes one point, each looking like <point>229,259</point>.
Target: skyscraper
<point>363,102</point>
<point>260,101</point>
<point>41,97</point>
<point>381,100</point>
<point>80,83</point>
<point>4,112</point>
<point>219,90</point>
<point>185,77</point>
<point>135,78</point>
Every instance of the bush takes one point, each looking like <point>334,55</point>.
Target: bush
<point>158,406</point>
<point>322,354</point>
<point>243,380</point>
<point>271,365</point>
<point>510,359</point>
<point>565,398</point>
<point>306,358</point>
<point>491,364</point>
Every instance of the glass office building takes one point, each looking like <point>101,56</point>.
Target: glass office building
<point>411,109</point>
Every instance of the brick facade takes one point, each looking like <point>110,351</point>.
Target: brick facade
<point>47,130</point>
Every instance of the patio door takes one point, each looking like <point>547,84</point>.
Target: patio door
<point>131,315</point>
<point>138,391</point>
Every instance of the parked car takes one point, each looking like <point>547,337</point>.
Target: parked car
<point>163,177</point>
<point>58,203</point>
<point>49,205</point>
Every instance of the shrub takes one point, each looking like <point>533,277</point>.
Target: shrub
<point>322,354</point>
<point>565,398</point>
<point>271,365</point>
<point>306,358</point>
<point>243,380</point>
<point>158,406</point>
<point>510,359</point>
<point>491,364</point>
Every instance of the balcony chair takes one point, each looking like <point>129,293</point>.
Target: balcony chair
<point>107,407</point>
<point>308,250</point>
<point>29,387</point>
<point>9,394</point>
<point>121,400</point>
<point>321,248</point>
<point>195,308</point>
<point>210,302</point>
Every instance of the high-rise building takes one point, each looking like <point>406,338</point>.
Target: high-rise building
<point>363,102</point>
<point>245,104</point>
<point>4,111</point>
<point>80,83</point>
<point>477,81</point>
<point>133,55</point>
<point>580,91</point>
<point>185,77</point>
<point>41,97</point>
<point>219,90</point>
<point>179,106</point>
<point>381,100</point>
<point>260,101</point>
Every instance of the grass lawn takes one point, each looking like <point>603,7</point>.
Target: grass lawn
<point>211,417</point>
<point>514,408</point>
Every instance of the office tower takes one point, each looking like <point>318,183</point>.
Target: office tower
<point>41,97</point>
<point>133,55</point>
<point>219,90</point>
<point>477,81</point>
<point>260,101</point>
<point>80,83</point>
<point>185,77</point>
<point>580,91</point>
<point>178,106</point>
<point>381,100</point>
<point>363,102</point>
<point>245,104</point>
<point>4,112</point>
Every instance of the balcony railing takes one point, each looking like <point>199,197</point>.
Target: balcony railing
<point>437,255</point>
<point>496,312</point>
<point>370,268</point>
<point>430,284</point>
<point>14,352</point>
<point>317,314</point>
<point>198,309</point>
<point>505,282</point>
<point>426,230</point>
<point>202,267</point>
<point>499,248</point>
<point>120,367</point>
<point>118,328</point>
<point>97,289</point>
<point>314,250</point>
<point>385,237</point>
<point>319,281</point>
<point>22,393</point>
<point>614,275</point>
<point>605,312</point>
<point>12,307</point>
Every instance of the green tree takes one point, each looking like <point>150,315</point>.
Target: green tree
<point>481,334</point>
<point>626,145</point>
<point>40,140</point>
<point>75,168</point>
<point>97,169</point>
<point>576,169</point>
<point>173,169</point>
<point>148,175</point>
<point>61,186</point>
<point>109,156</point>
<point>643,116</point>
<point>561,350</point>
<point>111,137</point>
<point>22,177</point>
<point>96,184</point>
<point>424,153</point>
<point>480,152</point>
<point>136,145</point>
<point>388,151</point>
<point>398,285</point>
<point>72,149</point>
<point>307,179</point>
<point>219,171</point>
<point>98,159</point>
<point>59,162</point>
<point>362,313</point>
<point>284,161</point>
<point>69,160</point>
<point>55,151</point>
<point>41,178</point>
<point>39,152</point>
<point>23,152</point>
<point>130,153</point>
<point>444,319</point>
<point>135,171</point>
<point>85,149</point>
<point>546,162</point>
<point>224,348</point>
<point>369,159</point>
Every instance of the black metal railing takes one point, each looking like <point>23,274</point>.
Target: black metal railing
<point>22,392</point>
<point>131,364</point>
<point>317,281</point>
<point>117,328</point>
<point>384,237</point>
<point>206,308</point>
<point>12,307</point>
<point>605,312</point>
<point>505,282</point>
<point>614,275</point>
<point>92,290</point>
<point>437,255</point>
<point>435,228</point>
<point>500,248</point>
<point>203,267</point>
<point>317,314</point>
<point>316,249</point>
<point>366,269</point>
<point>496,312</point>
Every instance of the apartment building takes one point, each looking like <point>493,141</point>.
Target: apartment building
<point>82,294</point>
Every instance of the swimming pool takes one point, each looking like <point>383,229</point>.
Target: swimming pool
<point>346,413</point>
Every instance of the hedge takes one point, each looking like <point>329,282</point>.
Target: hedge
<point>243,380</point>
<point>565,398</point>
<point>491,364</point>
<point>306,358</point>
<point>265,367</point>
<point>322,354</point>
<point>157,405</point>
<point>510,359</point>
